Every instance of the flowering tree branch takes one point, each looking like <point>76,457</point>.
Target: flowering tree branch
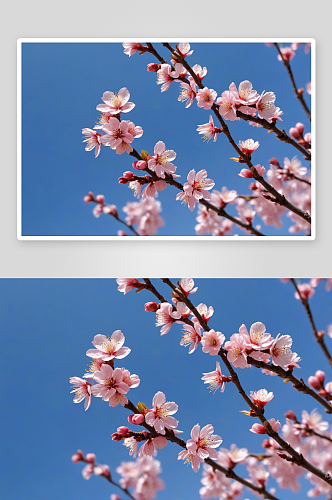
<point>318,337</point>
<point>298,92</point>
<point>220,211</point>
<point>295,457</point>
<point>278,198</point>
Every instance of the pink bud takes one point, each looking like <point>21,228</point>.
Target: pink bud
<point>102,470</point>
<point>122,233</point>
<point>320,375</point>
<point>110,209</point>
<point>78,457</point>
<point>122,429</point>
<point>328,387</point>
<point>140,165</point>
<point>91,458</point>
<point>246,173</point>
<point>138,419</point>
<point>266,443</point>
<point>274,162</point>
<point>291,415</point>
<point>151,307</point>
<point>88,197</point>
<point>153,67</point>
<point>307,137</point>
<point>293,132</point>
<point>100,198</point>
<point>300,127</point>
<point>253,186</point>
<point>258,429</point>
<point>128,174</point>
<point>314,383</point>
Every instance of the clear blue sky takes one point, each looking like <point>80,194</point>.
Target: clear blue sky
<point>62,85</point>
<point>47,325</point>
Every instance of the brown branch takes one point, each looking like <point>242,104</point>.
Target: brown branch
<point>298,94</point>
<point>129,226</point>
<point>278,198</point>
<point>170,436</point>
<point>220,211</point>
<point>318,338</point>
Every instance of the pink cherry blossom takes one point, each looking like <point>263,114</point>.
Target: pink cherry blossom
<point>191,336</point>
<point>314,421</point>
<point>116,103</point>
<point>205,312</point>
<point>245,94</point>
<point>110,385</point>
<point>294,166</point>
<point>265,105</point>
<point>212,341</point>
<point>249,146</point>
<point>280,350</point>
<point>190,458</point>
<point>109,348</point>
<point>166,316</point>
<point>92,139</point>
<point>152,189</point>
<point>229,458</point>
<point>260,429</point>
<point>94,367</point>
<point>132,445</point>
<point>152,445</point>
<point>145,213</point>
<point>216,379</point>
<point>236,347</point>
<point>261,398</point>
<point>227,105</point>
<point>159,417</point>
<point>82,390</point>
<point>127,284</point>
<point>117,136</point>
<point>196,188</point>
<point>287,54</point>
<point>184,49</point>
<point>188,92</point>
<point>197,69</point>
<point>165,76</point>
<point>205,98</point>
<point>306,291</point>
<point>203,442</point>
<point>209,130</point>
<point>87,471</point>
<point>159,163</point>
<point>131,47</point>
<point>187,286</point>
<point>259,338</point>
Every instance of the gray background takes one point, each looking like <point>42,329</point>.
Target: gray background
<point>216,19</point>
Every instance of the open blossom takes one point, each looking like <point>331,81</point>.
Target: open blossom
<point>280,350</point>
<point>190,458</point>
<point>259,338</point>
<point>265,105</point>
<point>152,445</point>
<point>203,442</point>
<point>188,92</point>
<point>92,139</point>
<point>159,416</point>
<point>110,385</point>
<point>117,136</point>
<point>131,47</point>
<point>184,49</point>
<point>196,188</point>
<point>199,71</point>
<point>249,146</point>
<point>127,284</point>
<point>205,98</point>
<point>229,458</point>
<point>109,348</point>
<point>166,316</point>
<point>159,163</point>
<point>116,103</point>
<point>187,286</point>
<point>245,94</point>
<point>314,421</point>
<point>152,188</point>
<point>306,291</point>
<point>82,390</point>
<point>294,166</point>
<point>191,336</point>
<point>236,347</point>
<point>227,105</point>
<point>212,341</point>
<point>94,367</point>
<point>261,398</point>
<point>165,76</point>
<point>287,54</point>
<point>205,312</point>
<point>208,130</point>
<point>215,379</point>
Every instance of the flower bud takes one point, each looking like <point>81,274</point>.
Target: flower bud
<point>110,209</point>
<point>274,162</point>
<point>293,132</point>
<point>91,458</point>
<point>246,173</point>
<point>140,165</point>
<point>123,429</point>
<point>291,415</point>
<point>78,457</point>
<point>153,67</point>
<point>300,127</point>
<point>320,375</point>
<point>100,198</point>
<point>151,307</point>
<point>88,197</point>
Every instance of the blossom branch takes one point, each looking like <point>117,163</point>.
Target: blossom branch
<point>220,211</point>
<point>170,436</point>
<point>278,198</point>
<point>115,214</point>
<point>298,93</point>
<point>318,338</point>
<point>295,457</point>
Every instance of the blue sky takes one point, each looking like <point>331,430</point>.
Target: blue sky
<point>47,326</point>
<point>62,83</point>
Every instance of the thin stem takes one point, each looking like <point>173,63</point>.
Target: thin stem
<point>298,94</point>
<point>318,338</point>
<point>295,457</point>
<point>129,226</point>
<point>170,436</point>
<point>278,198</point>
<point>220,211</point>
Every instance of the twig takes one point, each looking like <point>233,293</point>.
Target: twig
<point>318,338</point>
<point>129,226</point>
<point>298,94</point>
